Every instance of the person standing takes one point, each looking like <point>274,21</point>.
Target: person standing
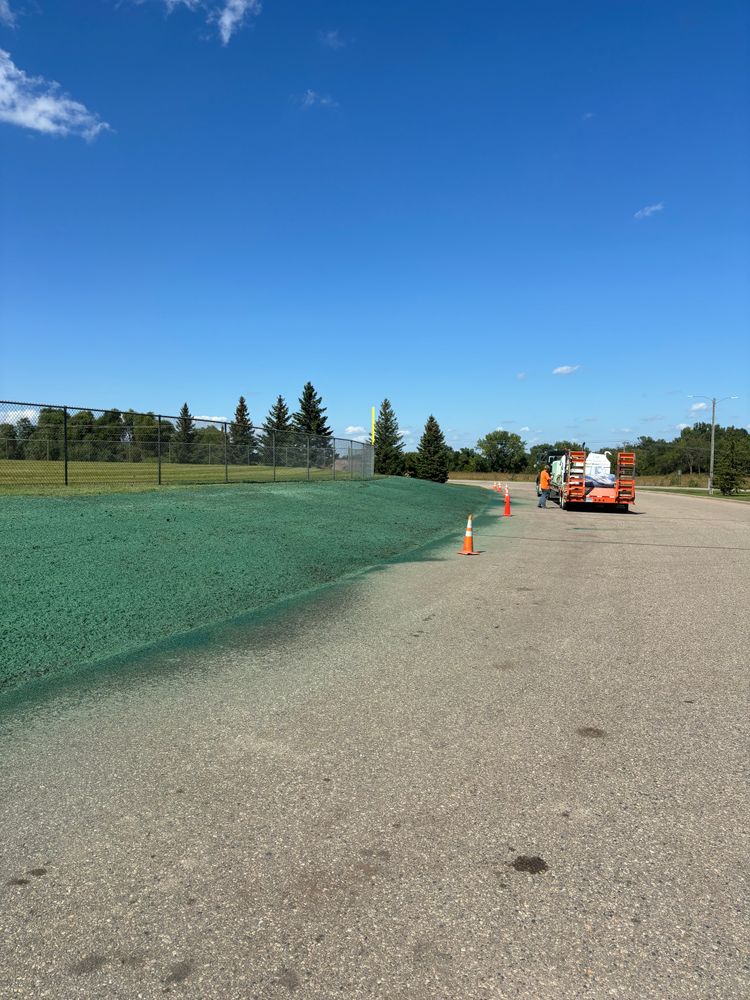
<point>544,481</point>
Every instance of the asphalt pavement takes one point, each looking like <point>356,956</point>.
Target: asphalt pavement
<point>520,774</point>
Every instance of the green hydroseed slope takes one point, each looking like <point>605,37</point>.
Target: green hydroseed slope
<point>90,577</point>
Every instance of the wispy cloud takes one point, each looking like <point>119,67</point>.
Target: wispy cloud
<point>699,406</point>
<point>27,413</point>
<point>524,429</point>
<point>7,17</point>
<point>354,429</point>
<point>331,39</point>
<point>233,14</point>
<point>174,4</point>
<point>681,427</point>
<point>521,376</point>
<point>218,419</point>
<point>38,104</point>
<point>648,210</point>
<point>312,99</point>
<point>588,116</point>
<point>565,369</point>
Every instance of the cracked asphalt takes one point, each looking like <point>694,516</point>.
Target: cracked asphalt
<point>522,774</point>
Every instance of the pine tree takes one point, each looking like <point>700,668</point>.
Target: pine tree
<point>389,445</point>
<point>278,417</point>
<point>310,418</point>
<point>275,430</point>
<point>241,434</point>
<point>728,477</point>
<point>432,457</point>
<point>185,435</point>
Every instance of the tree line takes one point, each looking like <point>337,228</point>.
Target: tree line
<point>505,452</point>
<point>124,435</point>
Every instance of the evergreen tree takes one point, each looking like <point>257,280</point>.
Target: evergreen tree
<point>389,445</point>
<point>432,457</point>
<point>185,434</point>
<point>728,477</point>
<point>310,418</point>
<point>241,435</point>
<point>278,417</point>
<point>275,429</point>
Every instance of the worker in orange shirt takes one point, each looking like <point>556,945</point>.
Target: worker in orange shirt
<point>544,481</point>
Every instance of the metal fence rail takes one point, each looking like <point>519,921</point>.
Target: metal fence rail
<point>49,445</point>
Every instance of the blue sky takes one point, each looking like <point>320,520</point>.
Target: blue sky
<point>443,204</point>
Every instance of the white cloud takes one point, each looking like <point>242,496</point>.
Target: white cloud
<point>38,104</point>
<point>312,99</point>
<point>7,17</point>
<point>648,210</point>
<point>699,406</point>
<point>174,4</point>
<point>521,376</point>
<point>232,15</point>
<point>681,427</point>
<point>565,369</point>
<point>524,429</point>
<point>331,39</point>
<point>219,419</point>
<point>354,429</point>
<point>13,416</point>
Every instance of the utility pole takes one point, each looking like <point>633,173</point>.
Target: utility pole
<point>713,439</point>
<point>714,401</point>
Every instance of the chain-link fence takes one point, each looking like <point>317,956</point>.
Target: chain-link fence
<point>49,445</point>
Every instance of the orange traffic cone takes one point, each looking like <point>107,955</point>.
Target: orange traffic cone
<point>506,512</point>
<point>468,549</point>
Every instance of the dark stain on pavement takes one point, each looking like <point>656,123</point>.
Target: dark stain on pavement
<point>530,863</point>
<point>37,872</point>
<point>17,881</point>
<point>380,853</point>
<point>591,731</point>
<point>179,972</point>
<point>288,978</point>
<point>89,963</point>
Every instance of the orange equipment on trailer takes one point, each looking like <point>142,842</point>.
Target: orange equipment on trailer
<point>579,477</point>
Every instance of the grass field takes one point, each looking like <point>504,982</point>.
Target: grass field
<point>699,493</point>
<point>91,577</point>
<point>34,477</point>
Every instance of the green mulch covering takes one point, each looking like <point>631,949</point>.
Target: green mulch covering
<point>91,577</point>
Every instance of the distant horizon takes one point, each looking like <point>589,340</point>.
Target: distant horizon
<point>23,408</point>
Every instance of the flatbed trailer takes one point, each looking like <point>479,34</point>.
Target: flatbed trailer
<point>570,486</point>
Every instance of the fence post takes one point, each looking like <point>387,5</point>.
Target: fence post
<point>65,443</point>
<point>273,453</point>
<point>308,458</point>
<point>334,459</point>
<point>351,462</point>
<point>226,455</point>
<point>158,450</point>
